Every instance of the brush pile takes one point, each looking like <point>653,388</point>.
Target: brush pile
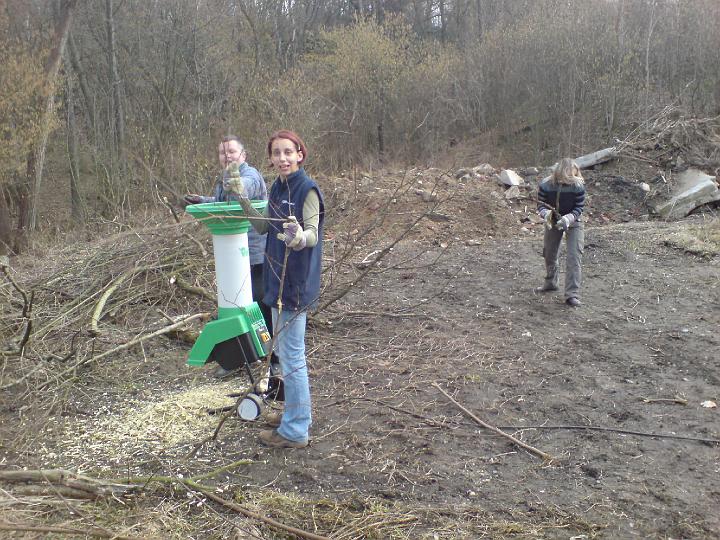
<point>87,298</point>
<point>675,142</point>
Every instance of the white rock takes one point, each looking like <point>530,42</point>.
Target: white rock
<point>645,187</point>
<point>513,192</point>
<point>510,178</point>
<point>692,189</point>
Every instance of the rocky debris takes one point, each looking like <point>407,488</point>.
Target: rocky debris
<point>426,196</point>
<point>692,188</point>
<point>513,192</point>
<point>481,172</point>
<point>529,171</point>
<point>510,178</point>
<point>484,169</point>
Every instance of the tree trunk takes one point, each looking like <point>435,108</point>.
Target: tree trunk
<point>443,36</point>
<point>651,27</point>
<point>82,80</point>
<point>6,234</point>
<point>36,159</point>
<point>480,26</point>
<point>118,115</point>
<point>75,201</point>
<point>595,158</point>
<point>379,9</point>
<point>256,38</point>
<point>381,126</point>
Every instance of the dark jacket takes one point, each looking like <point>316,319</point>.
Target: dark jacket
<point>572,197</point>
<point>302,276</point>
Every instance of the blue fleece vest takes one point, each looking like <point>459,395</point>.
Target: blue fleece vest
<point>302,276</point>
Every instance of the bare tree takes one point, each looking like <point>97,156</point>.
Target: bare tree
<point>72,150</point>
<point>117,107</point>
<point>651,27</point>
<point>36,160</point>
<point>82,81</point>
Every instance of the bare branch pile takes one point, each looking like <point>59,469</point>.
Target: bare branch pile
<point>132,283</point>
<point>672,141</point>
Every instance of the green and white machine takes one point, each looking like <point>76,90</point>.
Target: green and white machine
<point>238,337</point>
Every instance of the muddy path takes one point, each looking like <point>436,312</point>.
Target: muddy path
<point>586,385</point>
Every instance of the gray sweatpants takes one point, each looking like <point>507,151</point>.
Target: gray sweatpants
<point>573,266</point>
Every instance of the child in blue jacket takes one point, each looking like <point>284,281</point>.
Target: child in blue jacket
<point>561,198</point>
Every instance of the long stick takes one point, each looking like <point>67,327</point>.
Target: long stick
<point>248,513</point>
<point>531,449</point>
<point>97,312</point>
<point>230,411</point>
<point>280,293</point>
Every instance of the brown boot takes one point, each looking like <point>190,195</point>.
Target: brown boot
<point>273,419</point>
<point>270,437</point>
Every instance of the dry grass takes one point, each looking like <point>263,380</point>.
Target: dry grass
<point>184,514</point>
<point>701,239</point>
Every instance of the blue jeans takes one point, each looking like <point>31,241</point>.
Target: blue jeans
<point>290,348</point>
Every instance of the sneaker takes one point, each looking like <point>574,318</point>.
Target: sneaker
<point>273,419</point>
<point>270,437</point>
<point>573,302</point>
<point>546,288</point>
<point>222,373</point>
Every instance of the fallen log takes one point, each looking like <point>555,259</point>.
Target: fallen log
<point>29,527</point>
<point>77,484</point>
<point>594,158</point>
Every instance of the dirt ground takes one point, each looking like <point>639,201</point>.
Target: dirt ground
<point>612,390</point>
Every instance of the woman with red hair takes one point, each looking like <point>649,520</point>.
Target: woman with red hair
<point>294,220</point>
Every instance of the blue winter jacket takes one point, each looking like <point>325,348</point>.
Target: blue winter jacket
<point>571,197</point>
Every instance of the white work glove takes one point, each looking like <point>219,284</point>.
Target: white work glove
<point>293,236</point>
<point>564,222</point>
<point>547,215</point>
<point>232,181</point>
